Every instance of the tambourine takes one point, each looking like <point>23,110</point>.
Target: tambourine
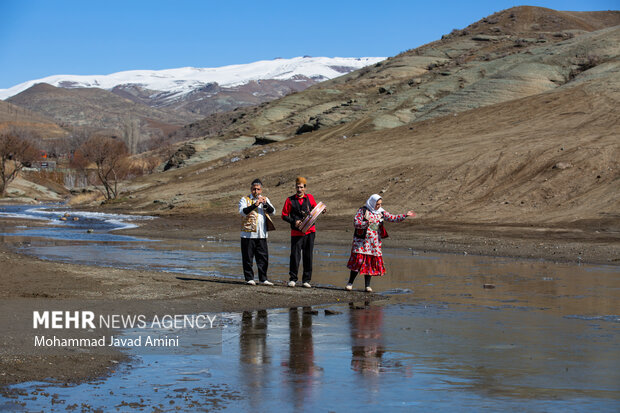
<point>309,221</point>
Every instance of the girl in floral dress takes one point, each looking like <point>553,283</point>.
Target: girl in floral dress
<point>366,256</point>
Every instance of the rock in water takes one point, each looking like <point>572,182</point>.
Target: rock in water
<point>331,312</point>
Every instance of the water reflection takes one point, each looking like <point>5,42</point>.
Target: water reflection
<point>372,357</point>
<point>367,344</point>
<point>302,371</point>
<point>254,354</point>
<point>253,338</point>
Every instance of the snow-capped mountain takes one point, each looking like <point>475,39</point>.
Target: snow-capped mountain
<point>157,102</point>
<point>175,83</point>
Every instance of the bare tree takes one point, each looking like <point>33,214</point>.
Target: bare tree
<point>155,140</point>
<point>78,136</point>
<point>15,153</point>
<point>108,155</point>
<point>131,133</point>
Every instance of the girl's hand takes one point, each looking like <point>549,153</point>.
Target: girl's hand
<point>411,214</point>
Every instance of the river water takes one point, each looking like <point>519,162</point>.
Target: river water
<point>544,339</point>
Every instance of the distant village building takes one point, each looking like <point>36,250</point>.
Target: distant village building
<point>44,164</point>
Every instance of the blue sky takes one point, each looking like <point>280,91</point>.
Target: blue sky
<point>43,38</point>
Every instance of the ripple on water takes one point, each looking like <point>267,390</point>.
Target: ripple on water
<point>607,318</point>
<point>397,291</point>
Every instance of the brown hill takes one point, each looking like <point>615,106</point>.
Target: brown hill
<point>100,110</point>
<point>549,158</point>
<point>525,20</point>
<point>517,127</point>
<point>16,117</point>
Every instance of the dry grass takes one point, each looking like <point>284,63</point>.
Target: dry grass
<point>86,198</point>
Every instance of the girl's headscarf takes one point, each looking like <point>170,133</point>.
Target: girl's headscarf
<point>372,203</point>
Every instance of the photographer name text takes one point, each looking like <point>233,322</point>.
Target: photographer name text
<point>110,341</point>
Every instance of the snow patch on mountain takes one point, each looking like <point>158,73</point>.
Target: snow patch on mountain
<point>178,82</point>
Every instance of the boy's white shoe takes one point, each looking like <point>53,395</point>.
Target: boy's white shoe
<point>266,282</point>
<point>349,287</point>
<point>291,283</point>
<point>251,282</point>
<point>307,285</point>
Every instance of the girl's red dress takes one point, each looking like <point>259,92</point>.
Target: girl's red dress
<point>366,255</point>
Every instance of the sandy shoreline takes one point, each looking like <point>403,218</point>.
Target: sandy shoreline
<point>61,281</point>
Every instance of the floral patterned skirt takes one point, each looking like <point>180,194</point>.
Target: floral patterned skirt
<point>366,264</point>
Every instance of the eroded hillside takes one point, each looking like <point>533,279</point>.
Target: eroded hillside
<point>513,54</point>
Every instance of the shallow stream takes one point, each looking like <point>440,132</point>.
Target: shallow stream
<point>545,338</point>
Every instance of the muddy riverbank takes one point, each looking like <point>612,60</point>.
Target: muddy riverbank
<point>580,243</point>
